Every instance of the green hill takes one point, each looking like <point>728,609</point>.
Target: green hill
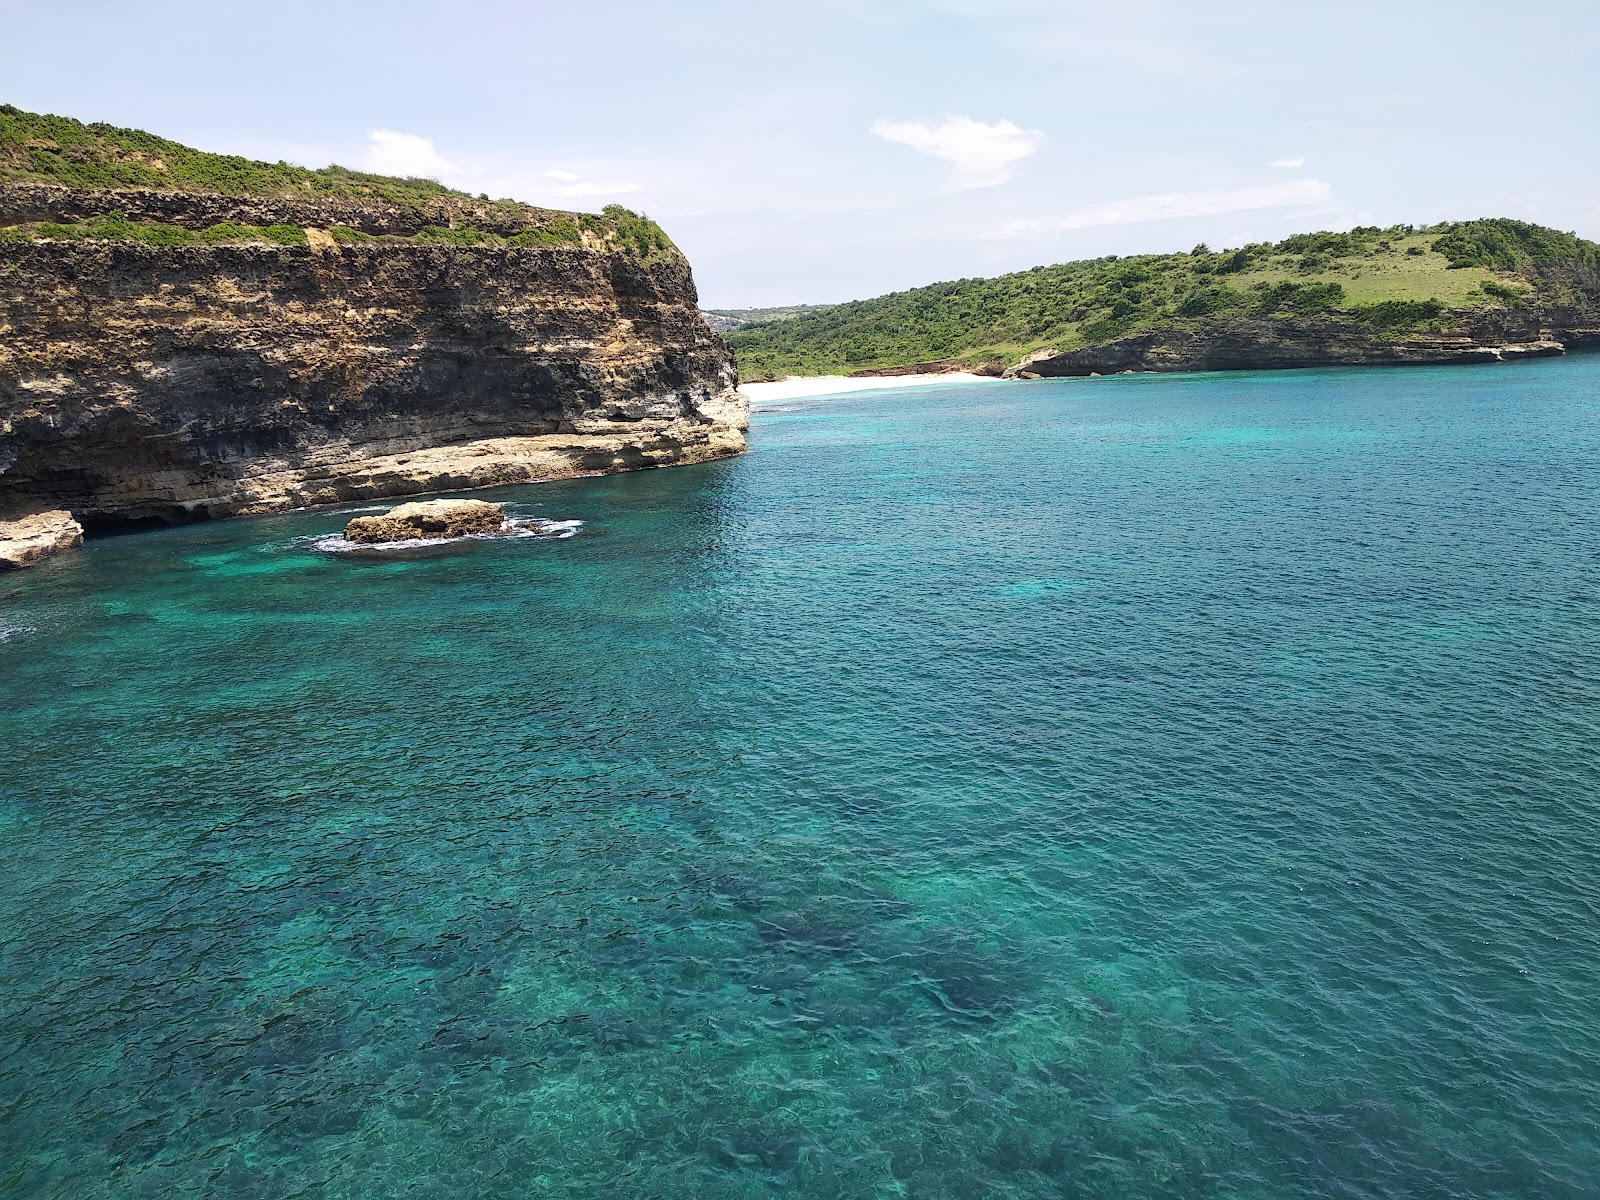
<point>97,158</point>
<point>1386,283</point>
<point>44,148</point>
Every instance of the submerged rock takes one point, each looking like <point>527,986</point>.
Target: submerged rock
<point>428,520</point>
<point>30,539</point>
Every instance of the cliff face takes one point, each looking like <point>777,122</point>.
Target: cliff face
<point>145,382</point>
<point>1244,343</point>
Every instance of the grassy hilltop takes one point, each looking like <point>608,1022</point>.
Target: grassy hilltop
<point>1391,282</point>
<point>42,148</point>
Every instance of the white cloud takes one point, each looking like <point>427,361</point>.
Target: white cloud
<point>574,185</point>
<point>982,154</point>
<point>588,187</point>
<point>1173,205</point>
<point>1288,163</point>
<point>390,152</point>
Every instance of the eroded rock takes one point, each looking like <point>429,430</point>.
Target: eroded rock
<point>35,537</point>
<point>145,383</point>
<point>428,520</point>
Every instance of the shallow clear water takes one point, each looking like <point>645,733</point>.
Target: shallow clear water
<point>1115,788</point>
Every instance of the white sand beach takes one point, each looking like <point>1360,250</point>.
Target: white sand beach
<point>830,385</point>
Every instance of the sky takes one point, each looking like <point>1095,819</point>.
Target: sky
<point>836,149</point>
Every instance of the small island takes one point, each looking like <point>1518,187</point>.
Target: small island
<point>428,520</point>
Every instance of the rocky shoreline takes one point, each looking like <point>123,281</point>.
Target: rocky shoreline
<point>1244,345</point>
<point>156,384</point>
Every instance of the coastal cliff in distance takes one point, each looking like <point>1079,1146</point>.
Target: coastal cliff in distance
<point>253,337</point>
<point>1473,291</point>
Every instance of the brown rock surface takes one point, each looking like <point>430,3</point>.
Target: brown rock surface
<point>30,539</point>
<point>194,381</point>
<point>1261,343</point>
<point>428,520</point>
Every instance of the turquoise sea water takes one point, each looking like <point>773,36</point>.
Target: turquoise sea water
<point>1178,787</point>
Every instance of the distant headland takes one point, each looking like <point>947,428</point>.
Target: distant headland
<point>1471,291</point>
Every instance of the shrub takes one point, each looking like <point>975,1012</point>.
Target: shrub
<point>1391,315</point>
<point>162,235</point>
<point>637,232</point>
<point>1237,261</point>
<point>461,235</point>
<point>1336,245</point>
<point>1298,299</point>
<point>284,235</point>
<point>348,233</point>
<point>562,231</point>
<point>115,227</point>
<point>1500,291</point>
<point>226,231</point>
<point>1107,328</point>
<point>48,229</point>
<point>1213,299</point>
<point>1505,245</point>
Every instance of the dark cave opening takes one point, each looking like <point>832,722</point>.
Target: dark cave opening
<point>112,479</point>
<point>114,524</point>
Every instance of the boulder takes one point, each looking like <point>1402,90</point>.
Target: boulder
<point>27,540</point>
<point>428,520</point>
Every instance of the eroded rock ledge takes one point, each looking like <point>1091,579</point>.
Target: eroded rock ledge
<point>169,383</point>
<point>1272,344</point>
<point>35,537</point>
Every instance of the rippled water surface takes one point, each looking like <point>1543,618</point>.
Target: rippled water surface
<point>1115,788</point>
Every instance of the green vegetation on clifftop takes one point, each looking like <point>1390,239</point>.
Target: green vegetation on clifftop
<point>46,148</point>
<point>41,148</point>
<point>1389,281</point>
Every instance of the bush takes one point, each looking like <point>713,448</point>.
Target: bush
<point>284,235</point>
<point>1204,301</point>
<point>1298,299</point>
<point>461,235</point>
<point>1237,261</point>
<point>562,231</point>
<point>1106,329</point>
<point>1335,245</point>
<point>1391,315</point>
<point>348,233</point>
<point>226,231</point>
<point>1501,292</point>
<point>1505,245</point>
<point>637,232</point>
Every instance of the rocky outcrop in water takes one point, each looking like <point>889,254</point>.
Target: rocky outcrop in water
<point>161,383</point>
<point>36,536</point>
<point>428,520</point>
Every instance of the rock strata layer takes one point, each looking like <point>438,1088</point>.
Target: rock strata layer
<point>1269,344</point>
<point>33,538</point>
<point>428,520</point>
<point>147,383</point>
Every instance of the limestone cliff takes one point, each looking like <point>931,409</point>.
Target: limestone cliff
<point>1255,343</point>
<point>236,374</point>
